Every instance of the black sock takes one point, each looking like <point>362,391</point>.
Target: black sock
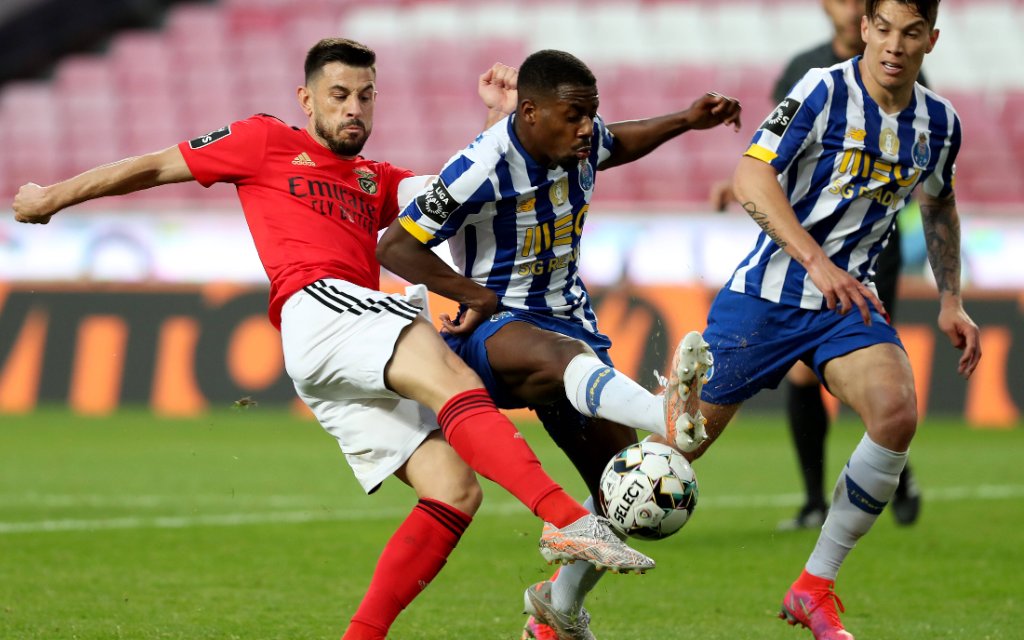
<point>904,485</point>
<point>808,422</point>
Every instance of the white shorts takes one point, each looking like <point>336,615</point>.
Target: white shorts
<point>337,339</point>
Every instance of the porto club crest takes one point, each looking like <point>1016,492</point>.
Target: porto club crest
<point>586,175</point>
<point>922,153</point>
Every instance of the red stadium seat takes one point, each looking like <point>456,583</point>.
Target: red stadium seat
<point>212,63</point>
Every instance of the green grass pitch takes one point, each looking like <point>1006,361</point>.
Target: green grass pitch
<point>248,524</point>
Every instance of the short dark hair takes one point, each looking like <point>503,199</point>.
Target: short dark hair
<point>927,9</point>
<point>343,50</point>
<point>546,70</point>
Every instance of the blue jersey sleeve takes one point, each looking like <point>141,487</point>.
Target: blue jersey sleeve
<point>942,181</point>
<point>794,123</point>
<point>462,189</point>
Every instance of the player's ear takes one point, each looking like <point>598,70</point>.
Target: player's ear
<point>528,110</point>
<point>932,40</point>
<point>305,100</point>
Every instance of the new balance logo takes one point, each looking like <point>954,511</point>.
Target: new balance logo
<point>304,159</point>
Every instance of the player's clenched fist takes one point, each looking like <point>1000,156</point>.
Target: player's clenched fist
<point>30,204</point>
<point>497,88</point>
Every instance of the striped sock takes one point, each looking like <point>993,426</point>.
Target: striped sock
<point>865,486</point>
<point>599,391</point>
<point>493,447</point>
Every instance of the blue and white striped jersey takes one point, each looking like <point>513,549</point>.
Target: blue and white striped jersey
<point>848,168</point>
<point>512,225</point>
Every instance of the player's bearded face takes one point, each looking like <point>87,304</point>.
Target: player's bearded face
<point>345,138</point>
<point>339,102</point>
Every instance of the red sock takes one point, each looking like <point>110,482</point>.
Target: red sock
<point>811,581</point>
<point>413,556</point>
<point>494,448</point>
<point>359,631</point>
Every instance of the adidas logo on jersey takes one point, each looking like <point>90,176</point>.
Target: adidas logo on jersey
<point>304,159</point>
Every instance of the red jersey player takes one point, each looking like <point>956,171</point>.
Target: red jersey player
<point>298,194</point>
<point>365,362</point>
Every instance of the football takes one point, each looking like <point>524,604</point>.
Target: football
<point>648,491</point>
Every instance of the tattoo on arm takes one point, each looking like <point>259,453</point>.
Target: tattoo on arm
<point>761,218</point>
<point>942,236</point>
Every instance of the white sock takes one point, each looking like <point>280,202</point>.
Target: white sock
<point>865,486</point>
<point>599,391</point>
<point>574,581</point>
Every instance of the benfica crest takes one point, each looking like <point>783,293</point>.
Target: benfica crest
<point>367,181</point>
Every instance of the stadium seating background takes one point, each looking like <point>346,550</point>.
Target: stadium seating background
<point>210,63</point>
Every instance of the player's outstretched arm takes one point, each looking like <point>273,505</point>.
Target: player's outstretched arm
<point>497,89</point>
<point>941,223</point>
<point>757,189</point>
<point>636,138</point>
<point>407,257</point>
<point>35,204</point>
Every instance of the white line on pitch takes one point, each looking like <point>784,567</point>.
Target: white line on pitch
<point>325,514</point>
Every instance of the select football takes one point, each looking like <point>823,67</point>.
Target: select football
<point>648,490</point>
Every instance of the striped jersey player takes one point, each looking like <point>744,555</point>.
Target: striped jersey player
<point>824,177</point>
<point>847,167</point>
<point>512,206</point>
<point>513,225</point>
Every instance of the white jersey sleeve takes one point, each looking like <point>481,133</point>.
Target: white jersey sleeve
<point>797,122</point>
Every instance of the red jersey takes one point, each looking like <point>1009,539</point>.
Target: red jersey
<point>312,214</point>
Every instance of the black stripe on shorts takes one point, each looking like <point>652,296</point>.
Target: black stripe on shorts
<point>342,302</point>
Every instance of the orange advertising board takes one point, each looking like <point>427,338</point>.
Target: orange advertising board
<point>180,350</point>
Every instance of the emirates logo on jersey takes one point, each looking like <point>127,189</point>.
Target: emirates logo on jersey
<point>367,181</point>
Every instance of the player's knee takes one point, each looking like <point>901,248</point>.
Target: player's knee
<point>895,425</point>
<point>562,351</point>
<point>460,376</point>
<point>549,364</point>
<point>904,421</point>
<point>463,492</point>
<point>802,376</point>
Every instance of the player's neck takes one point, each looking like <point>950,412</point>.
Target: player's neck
<point>524,141</point>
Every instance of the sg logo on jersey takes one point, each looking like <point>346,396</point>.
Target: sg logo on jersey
<point>210,138</point>
<point>779,120</point>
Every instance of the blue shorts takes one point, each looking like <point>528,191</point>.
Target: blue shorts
<point>756,341</point>
<point>473,348</point>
